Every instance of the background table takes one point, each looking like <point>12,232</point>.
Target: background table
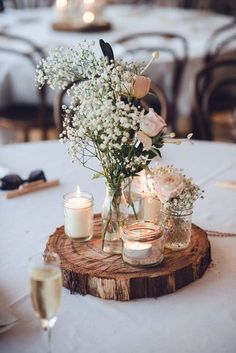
<point>198,318</point>
<point>195,25</point>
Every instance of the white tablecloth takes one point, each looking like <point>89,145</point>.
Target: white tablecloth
<point>195,25</point>
<point>198,318</point>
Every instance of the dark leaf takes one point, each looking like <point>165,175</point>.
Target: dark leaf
<point>107,50</point>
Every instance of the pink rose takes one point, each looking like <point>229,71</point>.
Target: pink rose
<point>152,123</point>
<point>141,86</point>
<point>145,140</point>
<point>168,185</point>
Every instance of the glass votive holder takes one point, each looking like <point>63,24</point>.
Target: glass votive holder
<point>143,244</point>
<point>78,212</point>
<point>133,200</point>
<point>176,227</point>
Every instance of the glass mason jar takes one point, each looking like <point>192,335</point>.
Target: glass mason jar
<point>114,216</point>
<point>143,244</point>
<point>176,227</point>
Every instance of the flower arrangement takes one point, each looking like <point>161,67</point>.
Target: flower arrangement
<point>177,193</point>
<point>175,190</point>
<point>105,119</point>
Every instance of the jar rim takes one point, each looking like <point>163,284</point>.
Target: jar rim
<point>86,195</point>
<point>133,231</point>
<point>179,213</point>
<point>89,200</point>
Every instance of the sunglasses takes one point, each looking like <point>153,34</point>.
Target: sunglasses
<point>14,181</point>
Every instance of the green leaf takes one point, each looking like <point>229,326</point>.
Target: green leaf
<point>97,175</point>
<point>157,152</point>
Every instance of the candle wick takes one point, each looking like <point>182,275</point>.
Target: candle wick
<point>78,191</point>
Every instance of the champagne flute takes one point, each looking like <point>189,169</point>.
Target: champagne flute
<point>45,289</point>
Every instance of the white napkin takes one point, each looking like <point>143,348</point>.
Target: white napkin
<point>3,171</point>
<point>7,319</point>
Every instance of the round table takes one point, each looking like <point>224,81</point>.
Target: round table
<point>198,318</point>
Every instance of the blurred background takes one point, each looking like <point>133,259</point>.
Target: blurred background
<point>194,78</point>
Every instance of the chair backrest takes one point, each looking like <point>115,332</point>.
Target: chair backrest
<point>162,42</point>
<point>1,6</point>
<point>158,102</point>
<point>222,6</point>
<point>33,54</point>
<point>221,41</point>
<point>205,90</point>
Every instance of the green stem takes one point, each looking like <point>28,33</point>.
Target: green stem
<point>133,208</point>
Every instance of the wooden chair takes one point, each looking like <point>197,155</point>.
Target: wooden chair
<point>220,46</point>
<point>1,6</point>
<point>158,103</point>
<point>220,42</point>
<point>22,116</point>
<point>205,92</point>
<point>226,7</point>
<point>179,61</point>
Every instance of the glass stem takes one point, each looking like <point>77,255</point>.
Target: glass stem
<point>49,334</point>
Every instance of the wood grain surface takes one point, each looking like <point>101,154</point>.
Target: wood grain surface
<point>88,270</point>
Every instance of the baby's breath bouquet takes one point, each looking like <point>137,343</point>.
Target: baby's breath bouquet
<point>105,119</point>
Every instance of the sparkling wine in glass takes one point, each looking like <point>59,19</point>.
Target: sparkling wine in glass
<point>45,289</point>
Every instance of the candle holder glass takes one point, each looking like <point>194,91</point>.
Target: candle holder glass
<point>78,212</point>
<point>176,227</point>
<point>143,244</point>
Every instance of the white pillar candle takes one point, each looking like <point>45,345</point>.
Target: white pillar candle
<point>62,8</point>
<point>149,209</point>
<point>137,250</point>
<point>78,210</point>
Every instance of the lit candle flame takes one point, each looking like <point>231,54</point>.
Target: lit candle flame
<point>88,17</point>
<point>88,2</point>
<point>78,193</point>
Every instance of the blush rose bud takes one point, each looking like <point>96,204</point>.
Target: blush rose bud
<point>152,124</point>
<point>141,86</point>
<point>145,140</point>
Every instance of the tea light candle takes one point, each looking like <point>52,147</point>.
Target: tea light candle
<point>78,210</point>
<point>143,244</point>
<point>88,17</point>
<point>137,250</point>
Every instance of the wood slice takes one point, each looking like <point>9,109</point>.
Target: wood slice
<point>98,26</point>
<point>88,270</point>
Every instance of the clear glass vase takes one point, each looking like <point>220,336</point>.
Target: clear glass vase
<point>176,228</point>
<point>115,215</point>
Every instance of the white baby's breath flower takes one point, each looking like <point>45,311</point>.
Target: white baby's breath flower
<point>100,122</point>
